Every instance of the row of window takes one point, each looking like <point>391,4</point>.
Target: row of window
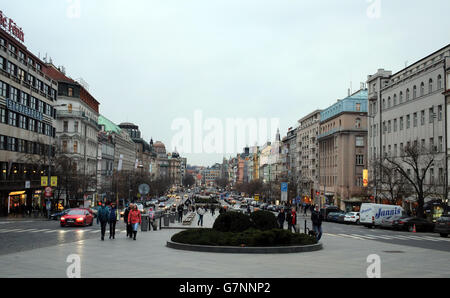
<point>23,146</point>
<point>23,75</point>
<point>27,123</point>
<point>14,94</point>
<point>20,55</point>
<point>394,125</point>
<point>394,100</point>
<point>398,150</point>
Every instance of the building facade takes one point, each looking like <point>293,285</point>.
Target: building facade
<point>343,151</point>
<point>27,125</point>
<point>410,108</point>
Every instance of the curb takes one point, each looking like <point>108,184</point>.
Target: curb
<point>245,250</point>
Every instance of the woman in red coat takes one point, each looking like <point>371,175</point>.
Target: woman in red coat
<point>134,218</point>
<point>294,219</point>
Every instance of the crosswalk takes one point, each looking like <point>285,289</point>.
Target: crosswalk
<point>59,231</point>
<point>391,237</point>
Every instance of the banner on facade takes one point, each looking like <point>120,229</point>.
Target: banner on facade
<point>365,178</point>
<point>284,192</point>
<point>44,181</point>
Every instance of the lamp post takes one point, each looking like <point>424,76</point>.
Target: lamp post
<point>49,159</point>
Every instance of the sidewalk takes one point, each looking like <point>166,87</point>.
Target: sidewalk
<point>208,221</point>
<point>149,257</point>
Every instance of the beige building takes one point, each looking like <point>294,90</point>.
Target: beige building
<point>343,151</point>
<point>308,155</point>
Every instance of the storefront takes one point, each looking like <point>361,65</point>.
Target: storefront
<point>17,201</point>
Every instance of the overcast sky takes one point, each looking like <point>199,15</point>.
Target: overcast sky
<point>150,62</point>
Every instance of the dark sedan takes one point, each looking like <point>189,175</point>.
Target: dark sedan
<point>57,215</point>
<point>442,225</point>
<point>334,216</point>
<point>407,224</point>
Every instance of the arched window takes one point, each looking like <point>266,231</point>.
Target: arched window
<point>439,82</point>
<point>384,103</point>
<point>422,89</point>
<point>430,86</point>
<point>400,97</point>
<point>414,92</point>
<point>389,102</point>
<point>395,99</point>
<point>407,94</point>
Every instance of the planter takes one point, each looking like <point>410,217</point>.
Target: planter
<point>246,250</point>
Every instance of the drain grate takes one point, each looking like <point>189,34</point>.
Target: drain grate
<point>393,251</point>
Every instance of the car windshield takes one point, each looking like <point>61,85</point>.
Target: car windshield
<point>76,212</point>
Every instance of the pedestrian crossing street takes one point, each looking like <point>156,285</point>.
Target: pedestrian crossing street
<point>59,231</point>
<point>391,237</point>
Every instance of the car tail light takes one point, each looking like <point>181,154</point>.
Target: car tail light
<point>353,217</point>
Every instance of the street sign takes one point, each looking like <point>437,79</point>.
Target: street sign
<point>284,190</point>
<point>48,192</point>
<point>44,181</point>
<point>144,189</point>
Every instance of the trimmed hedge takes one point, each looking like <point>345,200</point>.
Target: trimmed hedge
<point>264,220</point>
<point>232,222</point>
<point>250,237</point>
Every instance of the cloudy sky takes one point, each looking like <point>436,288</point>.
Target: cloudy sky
<point>152,62</point>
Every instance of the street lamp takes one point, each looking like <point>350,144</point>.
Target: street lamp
<point>49,156</point>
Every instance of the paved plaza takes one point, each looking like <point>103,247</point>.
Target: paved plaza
<point>149,257</point>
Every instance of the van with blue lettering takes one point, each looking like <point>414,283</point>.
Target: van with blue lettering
<point>372,215</point>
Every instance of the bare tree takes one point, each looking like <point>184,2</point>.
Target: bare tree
<point>413,164</point>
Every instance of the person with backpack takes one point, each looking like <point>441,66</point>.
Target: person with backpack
<point>317,218</point>
<point>135,219</point>
<point>112,221</point>
<point>103,218</point>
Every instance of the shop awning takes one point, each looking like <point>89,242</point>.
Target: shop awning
<point>17,193</point>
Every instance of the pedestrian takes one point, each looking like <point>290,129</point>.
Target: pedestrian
<point>281,218</point>
<point>200,212</point>
<point>103,218</point>
<point>213,210</point>
<point>135,219</point>
<point>125,219</point>
<point>248,210</point>
<point>180,213</point>
<point>294,219</point>
<point>289,220</point>
<point>316,218</point>
<point>112,221</point>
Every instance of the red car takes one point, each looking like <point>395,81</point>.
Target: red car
<point>77,217</point>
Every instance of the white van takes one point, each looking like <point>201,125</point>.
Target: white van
<point>372,215</point>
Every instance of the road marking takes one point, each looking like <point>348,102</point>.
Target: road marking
<point>95,231</point>
<point>51,231</point>
<point>350,236</point>
<point>9,231</point>
<point>365,236</point>
<point>435,238</point>
<point>42,230</point>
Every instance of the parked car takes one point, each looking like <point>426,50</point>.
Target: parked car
<point>442,225</point>
<point>334,216</point>
<point>351,217</point>
<point>77,217</point>
<point>327,210</point>
<point>407,224</point>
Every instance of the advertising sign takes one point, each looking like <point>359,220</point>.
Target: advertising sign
<point>365,178</point>
<point>284,190</point>
<point>54,181</point>
<point>44,181</point>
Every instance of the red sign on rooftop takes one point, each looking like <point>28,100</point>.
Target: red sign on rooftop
<point>8,25</point>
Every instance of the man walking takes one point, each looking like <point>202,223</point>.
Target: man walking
<point>112,221</point>
<point>316,218</point>
<point>200,212</point>
<point>281,218</point>
<point>180,213</point>
<point>103,218</point>
<point>125,219</point>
